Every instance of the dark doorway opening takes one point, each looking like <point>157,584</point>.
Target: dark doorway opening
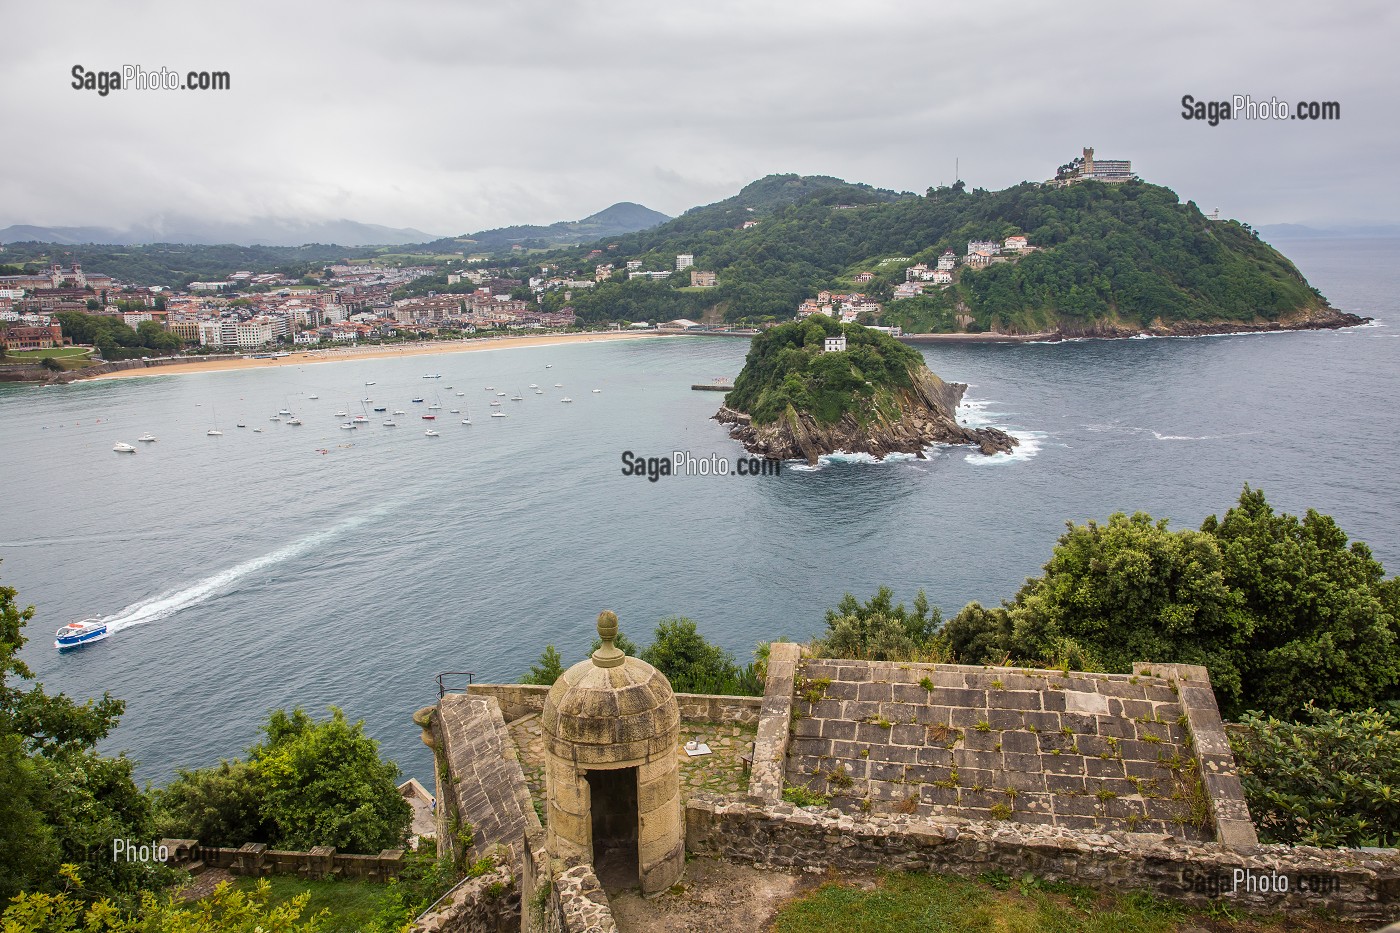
<point>613,794</point>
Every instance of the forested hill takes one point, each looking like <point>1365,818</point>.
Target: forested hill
<point>1109,258</point>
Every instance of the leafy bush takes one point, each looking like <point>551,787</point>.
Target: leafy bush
<point>547,670</point>
<point>1332,781</point>
<point>307,784</point>
<point>879,631</point>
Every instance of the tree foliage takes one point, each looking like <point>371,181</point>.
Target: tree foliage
<point>1282,611</point>
<point>1331,780</point>
<point>547,670</point>
<point>786,370</point>
<point>226,910</point>
<point>60,801</point>
<point>306,784</point>
<point>876,630</point>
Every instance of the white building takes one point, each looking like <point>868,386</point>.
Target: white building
<point>633,265</point>
<point>947,261</point>
<point>834,344</point>
<point>941,277</point>
<point>1014,244</point>
<point>306,338</point>
<point>991,247</point>
<point>211,334</point>
<point>684,261</point>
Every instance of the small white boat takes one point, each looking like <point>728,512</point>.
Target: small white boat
<point>533,386</point>
<point>341,414</point>
<point>80,633</point>
<point>460,394</point>
<point>558,385</point>
<point>257,430</point>
<point>294,422</point>
<point>498,414</point>
<point>367,383</point>
<point>284,411</point>
<point>398,411</point>
<point>430,433</point>
<point>347,426</point>
<point>147,438</point>
<point>566,399</point>
<point>501,394</point>
<point>360,419</point>
<point>214,432</point>
<point>434,407</point>
<point>122,447</point>
<point>390,423</point>
<point>495,403</point>
<point>240,425</point>
<point>466,421</point>
<point>454,411</point>
<point>490,388</point>
<point>432,375</point>
<point>548,365</point>
<point>366,399</point>
<point>596,391</point>
<point>275,418</point>
<point>313,396</point>
<point>539,391</point>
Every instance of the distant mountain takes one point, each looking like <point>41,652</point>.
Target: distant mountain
<point>623,217</point>
<point>265,231</point>
<point>1287,231</point>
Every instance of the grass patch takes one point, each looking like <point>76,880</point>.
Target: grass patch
<point>352,904</point>
<point>903,903</point>
<point>57,353</point>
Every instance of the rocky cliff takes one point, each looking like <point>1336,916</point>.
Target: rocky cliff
<point>926,416</point>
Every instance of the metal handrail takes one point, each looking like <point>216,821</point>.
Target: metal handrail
<point>444,690</point>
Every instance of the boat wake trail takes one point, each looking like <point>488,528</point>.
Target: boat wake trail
<point>175,600</point>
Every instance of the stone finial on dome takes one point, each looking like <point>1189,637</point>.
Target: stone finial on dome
<point>609,655</point>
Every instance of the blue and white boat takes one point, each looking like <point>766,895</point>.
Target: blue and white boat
<point>75,634</point>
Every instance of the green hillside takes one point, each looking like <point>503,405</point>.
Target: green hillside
<point>1109,255</point>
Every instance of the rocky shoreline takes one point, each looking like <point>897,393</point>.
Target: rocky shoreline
<point>1323,318</point>
<point>927,417</point>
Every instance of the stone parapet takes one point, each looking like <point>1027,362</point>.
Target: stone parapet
<point>1362,885</point>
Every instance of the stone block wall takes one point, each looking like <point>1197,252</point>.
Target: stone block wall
<point>1355,884</point>
<point>1091,752</point>
<point>770,750</point>
<point>479,779</point>
<point>255,859</point>
<point>486,904</point>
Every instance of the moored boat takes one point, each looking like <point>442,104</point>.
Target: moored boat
<point>122,447</point>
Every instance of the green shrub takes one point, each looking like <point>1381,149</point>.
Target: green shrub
<point>1332,781</point>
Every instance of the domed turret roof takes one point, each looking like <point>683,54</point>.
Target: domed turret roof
<point>610,708</point>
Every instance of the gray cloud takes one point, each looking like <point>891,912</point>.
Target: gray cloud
<point>451,117</point>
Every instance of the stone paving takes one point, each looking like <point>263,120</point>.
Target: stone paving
<point>719,773</point>
<point>1084,751</point>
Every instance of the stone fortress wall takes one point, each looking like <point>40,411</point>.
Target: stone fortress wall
<point>1113,809</point>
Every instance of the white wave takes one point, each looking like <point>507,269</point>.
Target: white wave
<point>1029,446</point>
<point>175,600</point>
<point>1199,437</point>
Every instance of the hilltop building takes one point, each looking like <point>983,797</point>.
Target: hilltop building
<point>684,261</point>
<point>1088,168</point>
<point>834,344</point>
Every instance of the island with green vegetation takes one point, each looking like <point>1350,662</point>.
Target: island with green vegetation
<point>817,387</point>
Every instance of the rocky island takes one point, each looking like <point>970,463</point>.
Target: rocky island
<point>818,387</point>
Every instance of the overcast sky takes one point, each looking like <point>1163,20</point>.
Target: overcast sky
<point>455,116</point>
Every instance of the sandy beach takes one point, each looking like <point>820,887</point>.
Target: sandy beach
<point>341,354</point>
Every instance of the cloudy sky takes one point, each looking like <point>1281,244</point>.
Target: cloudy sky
<point>453,116</point>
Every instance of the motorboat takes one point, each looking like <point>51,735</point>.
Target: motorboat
<point>533,386</point>
<point>454,411</point>
<point>347,426</point>
<point>430,433</point>
<point>147,438</point>
<point>498,414</point>
<point>242,425</point>
<point>432,375</point>
<point>429,417</point>
<point>501,394</point>
<point>367,383</point>
<point>398,411</point>
<point>341,414</point>
<point>558,385</point>
<point>460,394</point>
<point>596,391</point>
<point>466,421</point>
<point>566,399</point>
<point>257,430</point>
<point>381,408</point>
<point>495,403</point>
<point>517,397</point>
<point>294,422</point>
<point>390,423</point>
<point>122,447</point>
<point>75,634</point>
<point>313,397</point>
<point>284,411</point>
<point>214,432</point>
<point>416,399</point>
<point>548,365</point>
<point>539,391</point>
